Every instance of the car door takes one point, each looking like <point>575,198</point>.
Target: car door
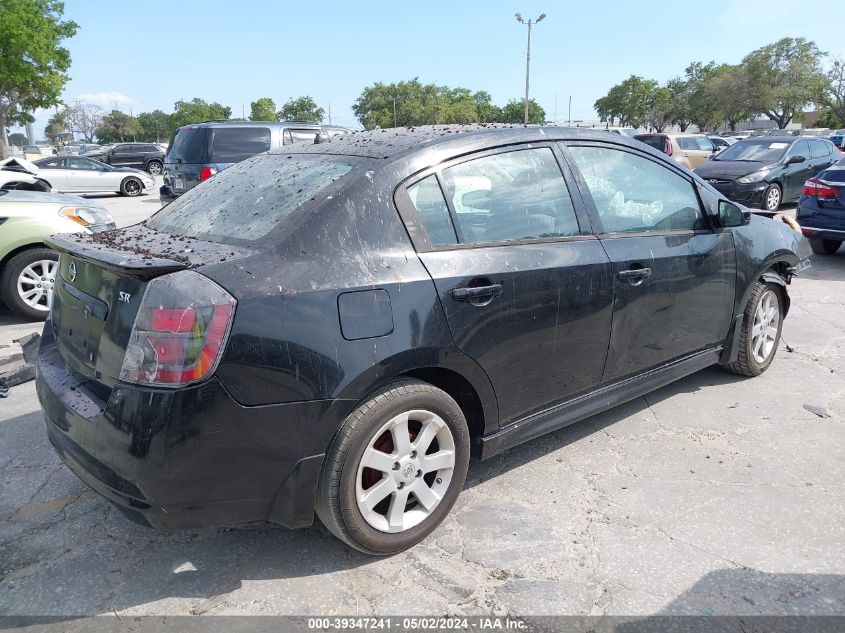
<point>524,285</point>
<point>673,274</point>
<point>53,171</point>
<point>796,174</point>
<point>124,156</point>
<point>706,149</point>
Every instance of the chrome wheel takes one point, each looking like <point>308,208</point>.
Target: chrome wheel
<point>154,168</point>
<point>405,471</point>
<point>773,199</point>
<point>35,284</point>
<point>764,332</point>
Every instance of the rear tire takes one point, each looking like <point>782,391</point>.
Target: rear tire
<point>131,187</point>
<point>824,247</point>
<point>155,167</point>
<point>369,503</point>
<point>21,284</point>
<point>761,327</point>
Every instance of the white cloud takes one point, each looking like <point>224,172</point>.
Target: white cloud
<point>107,99</point>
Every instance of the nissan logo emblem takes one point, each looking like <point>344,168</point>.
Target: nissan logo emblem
<point>71,272</point>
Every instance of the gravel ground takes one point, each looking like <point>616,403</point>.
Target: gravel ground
<point>714,495</point>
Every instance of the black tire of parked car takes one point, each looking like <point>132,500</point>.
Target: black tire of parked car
<point>776,199</point>
<point>131,187</point>
<point>155,167</point>
<point>9,281</point>
<point>745,363</point>
<point>336,504</point>
<point>824,247</point>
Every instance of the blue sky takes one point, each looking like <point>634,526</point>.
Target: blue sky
<point>147,55</point>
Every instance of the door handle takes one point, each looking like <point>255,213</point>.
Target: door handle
<point>634,276</point>
<point>479,292</point>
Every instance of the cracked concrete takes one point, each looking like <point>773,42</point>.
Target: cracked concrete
<point>714,495</point>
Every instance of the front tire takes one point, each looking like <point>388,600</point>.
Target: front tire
<point>27,280</point>
<point>395,468</point>
<point>824,247</point>
<point>772,198</point>
<point>761,327</point>
<point>131,187</point>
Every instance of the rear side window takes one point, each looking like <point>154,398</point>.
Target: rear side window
<point>245,202</point>
<point>232,145</point>
<point>432,211</point>
<point>704,144</point>
<point>688,142</point>
<point>635,194</point>
<point>189,145</point>
<point>516,195</point>
<point>292,136</point>
<point>818,149</point>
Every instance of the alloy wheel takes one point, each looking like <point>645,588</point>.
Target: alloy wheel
<point>765,329</point>
<point>405,471</point>
<point>773,199</point>
<point>35,284</point>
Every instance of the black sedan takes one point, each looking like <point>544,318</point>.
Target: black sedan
<point>337,327</point>
<point>767,171</point>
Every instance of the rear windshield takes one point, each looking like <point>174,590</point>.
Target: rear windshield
<point>245,202</point>
<point>234,144</point>
<point>755,150</point>
<point>833,175</point>
<point>652,139</point>
<point>188,145</point>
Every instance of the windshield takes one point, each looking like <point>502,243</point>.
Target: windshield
<point>756,150</point>
<point>245,202</point>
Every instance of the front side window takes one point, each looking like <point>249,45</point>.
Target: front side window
<point>800,148</point>
<point>687,143</point>
<point>634,194</point>
<point>516,195</point>
<point>704,144</point>
<point>818,149</point>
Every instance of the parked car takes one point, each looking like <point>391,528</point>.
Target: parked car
<point>721,142</point>
<point>69,150</point>
<point>79,174</point>
<point>19,173</point>
<point>625,131</point>
<point>148,157</point>
<point>27,266</point>
<point>823,132</point>
<point>768,171</point>
<point>838,138</point>
<point>689,150</point>
<point>320,329</point>
<point>821,209</point>
<point>31,152</point>
<point>198,152</point>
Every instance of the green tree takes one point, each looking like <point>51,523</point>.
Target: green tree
<point>154,126</point>
<point>196,111</point>
<point>487,112</point>
<point>57,126</point>
<point>679,92</point>
<point>263,110</point>
<point>405,103</point>
<point>659,114</point>
<point>832,92</point>
<point>629,102</point>
<point>514,112</point>
<point>33,63</point>
<point>301,109</point>
<point>117,127</point>
<point>701,110</point>
<point>729,92</point>
<point>18,140</point>
<point>784,77</point>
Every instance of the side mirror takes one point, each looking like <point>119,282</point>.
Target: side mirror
<point>794,160</point>
<point>731,214</point>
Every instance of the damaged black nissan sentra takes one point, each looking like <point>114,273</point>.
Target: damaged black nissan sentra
<point>335,328</point>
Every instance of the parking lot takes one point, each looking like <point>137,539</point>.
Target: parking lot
<point>714,495</point>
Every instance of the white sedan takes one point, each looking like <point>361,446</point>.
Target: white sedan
<point>74,174</point>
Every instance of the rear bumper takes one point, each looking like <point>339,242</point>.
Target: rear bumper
<point>185,458</point>
<point>816,220</point>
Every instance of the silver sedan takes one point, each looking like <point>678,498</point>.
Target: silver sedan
<point>77,174</point>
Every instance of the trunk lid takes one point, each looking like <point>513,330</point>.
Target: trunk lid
<point>100,286</point>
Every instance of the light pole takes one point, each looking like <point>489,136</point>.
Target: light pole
<point>528,56</point>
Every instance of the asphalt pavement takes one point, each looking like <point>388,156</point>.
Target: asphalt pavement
<point>714,495</point>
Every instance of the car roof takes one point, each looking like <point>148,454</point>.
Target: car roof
<point>392,143</point>
<point>238,123</point>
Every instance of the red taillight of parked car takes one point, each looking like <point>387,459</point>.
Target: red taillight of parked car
<point>179,332</point>
<point>816,188</point>
<point>667,146</point>
<point>206,172</point>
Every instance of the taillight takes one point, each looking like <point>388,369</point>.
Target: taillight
<point>667,146</point>
<point>179,332</point>
<point>206,172</point>
<point>815,187</point>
